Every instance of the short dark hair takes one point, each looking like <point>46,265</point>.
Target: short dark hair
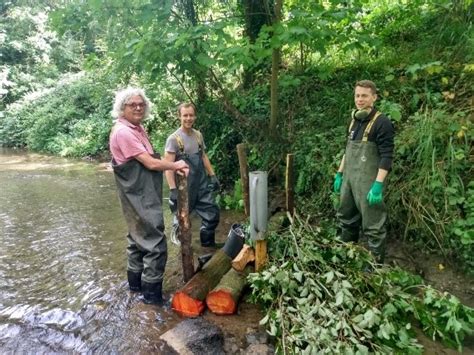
<point>186,105</point>
<point>367,84</point>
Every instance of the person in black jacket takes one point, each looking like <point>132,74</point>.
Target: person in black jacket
<point>362,172</point>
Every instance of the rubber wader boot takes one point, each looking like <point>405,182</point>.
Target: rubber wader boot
<point>134,281</point>
<point>152,293</point>
<point>208,239</point>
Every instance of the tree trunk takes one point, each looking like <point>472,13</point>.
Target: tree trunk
<point>189,300</point>
<point>256,16</point>
<point>276,57</point>
<point>223,299</point>
<point>184,230</point>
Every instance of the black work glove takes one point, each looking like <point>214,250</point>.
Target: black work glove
<point>213,184</point>
<point>173,201</point>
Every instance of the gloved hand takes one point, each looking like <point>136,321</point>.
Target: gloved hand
<point>375,193</point>
<point>213,184</point>
<point>173,201</point>
<point>337,182</point>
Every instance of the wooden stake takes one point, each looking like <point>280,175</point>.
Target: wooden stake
<point>184,231</point>
<point>244,176</point>
<point>260,254</point>
<point>289,184</point>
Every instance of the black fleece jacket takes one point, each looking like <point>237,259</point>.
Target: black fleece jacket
<point>382,134</point>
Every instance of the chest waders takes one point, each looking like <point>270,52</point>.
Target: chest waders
<point>140,194</point>
<point>201,198</point>
<point>360,170</point>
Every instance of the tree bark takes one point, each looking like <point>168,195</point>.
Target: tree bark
<point>223,299</point>
<point>184,230</point>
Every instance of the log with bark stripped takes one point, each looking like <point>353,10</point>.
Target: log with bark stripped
<point>189,300</point>
<point>223,299</point>
<point>246,255</point>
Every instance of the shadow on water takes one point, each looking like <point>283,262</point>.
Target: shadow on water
<point>62,261</point>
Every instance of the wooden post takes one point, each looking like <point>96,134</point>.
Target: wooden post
<point>260,254</point>
<point>244,176</point>
<point>289,184</point>
<point>184,230</point>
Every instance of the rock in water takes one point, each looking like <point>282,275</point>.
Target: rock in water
<point>195,337</point>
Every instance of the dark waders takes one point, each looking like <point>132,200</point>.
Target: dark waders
<point>201,198</point>
<point>140,193</point>
<point>360,170</point>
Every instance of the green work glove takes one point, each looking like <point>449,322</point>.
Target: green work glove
<point>213,184</point>
<point>337,182</point>
<point>375,193</point>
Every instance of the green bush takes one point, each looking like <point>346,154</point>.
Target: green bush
<point>71,120</point>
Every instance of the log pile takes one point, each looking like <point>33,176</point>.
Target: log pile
<point>189,301</point>
<point>217,284</point>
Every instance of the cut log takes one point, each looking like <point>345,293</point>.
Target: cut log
<point>223,299</point>
<point>189,300</point>
<point>246,255</point>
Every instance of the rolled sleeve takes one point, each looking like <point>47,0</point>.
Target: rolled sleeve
<point>171,145</point>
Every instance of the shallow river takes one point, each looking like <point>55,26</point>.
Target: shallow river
<point>62,262</point>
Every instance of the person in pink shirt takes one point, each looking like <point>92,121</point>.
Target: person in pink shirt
<point>138,172</point>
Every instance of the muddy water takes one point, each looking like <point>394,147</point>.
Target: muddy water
<point>62,262</point>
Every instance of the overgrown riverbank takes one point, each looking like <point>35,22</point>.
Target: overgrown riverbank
<point>221,55</point>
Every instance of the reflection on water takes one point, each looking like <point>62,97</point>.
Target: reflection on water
<point>62,262</point>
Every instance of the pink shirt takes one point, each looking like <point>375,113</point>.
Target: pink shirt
<point>127,141</point>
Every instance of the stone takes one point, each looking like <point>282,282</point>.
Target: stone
<point>195,337</point>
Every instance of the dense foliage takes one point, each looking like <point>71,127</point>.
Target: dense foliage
<point>221,56</point>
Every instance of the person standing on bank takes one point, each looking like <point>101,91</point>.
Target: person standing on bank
<point>362,172</point>
<point>187,143</point>
<point>139,178</point>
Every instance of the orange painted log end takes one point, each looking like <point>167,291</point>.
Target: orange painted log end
<point>221,302</point>
<point>187,306</point>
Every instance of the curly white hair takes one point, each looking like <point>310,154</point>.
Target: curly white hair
<point>123,96</point>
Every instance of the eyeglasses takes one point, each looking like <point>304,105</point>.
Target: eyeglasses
<point>135,106</point>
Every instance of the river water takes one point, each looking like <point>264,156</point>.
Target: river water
<point>63,263</point>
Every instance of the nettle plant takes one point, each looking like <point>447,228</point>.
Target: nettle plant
<point>318,299</point>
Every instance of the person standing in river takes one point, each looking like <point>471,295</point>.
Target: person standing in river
<point>360,178</point>
<point>187,143</point>
<point>138,174</point>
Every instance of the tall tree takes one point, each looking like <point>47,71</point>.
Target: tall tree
<point>276,58</point>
